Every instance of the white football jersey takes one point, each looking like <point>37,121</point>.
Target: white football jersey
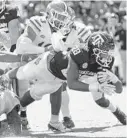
<point>42,29</point>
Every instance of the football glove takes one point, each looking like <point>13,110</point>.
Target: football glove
<point>106,76</point>
<point>108,89</point>
<point>105,88</point>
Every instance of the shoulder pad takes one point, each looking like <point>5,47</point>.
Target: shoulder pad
<point>36,23</point>
<point>79,55</point>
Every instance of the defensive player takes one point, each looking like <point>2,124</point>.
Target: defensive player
<point>90,67</point>
<point>37,39</point>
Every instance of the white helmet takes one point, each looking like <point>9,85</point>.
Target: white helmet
<point>60,16</point>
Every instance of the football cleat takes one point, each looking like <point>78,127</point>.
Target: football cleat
<point>68,122</point>
<point>56,126</point>
<point>24,123</point>
<point>121,116</point>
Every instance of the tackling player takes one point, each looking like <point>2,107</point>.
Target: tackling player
<point>37,38</point>
<point>90,68</point>
<point>47,69</point>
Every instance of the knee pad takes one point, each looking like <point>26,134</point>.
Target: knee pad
<point>103,102</point>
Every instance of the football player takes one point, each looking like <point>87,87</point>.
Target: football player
<point>52,31</point>
<point>47,70</point>
<point>37,39</point>
<point>90,69</point>
<point>9,102</point>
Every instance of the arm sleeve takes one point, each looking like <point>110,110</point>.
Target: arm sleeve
<point>25,45</point>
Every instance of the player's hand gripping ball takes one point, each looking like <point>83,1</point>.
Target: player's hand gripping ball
<point>105,80</point>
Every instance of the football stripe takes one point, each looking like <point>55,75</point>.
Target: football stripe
<point>35,25</point>
<point>85,33</point>
<point>38,22</point>
<point>81,31</point>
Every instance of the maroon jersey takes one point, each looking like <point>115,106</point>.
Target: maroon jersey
<point>85,65</point>
<point>58,63</point>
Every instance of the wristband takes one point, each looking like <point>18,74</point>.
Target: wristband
<point>93,87</point>
<point>115,79</point>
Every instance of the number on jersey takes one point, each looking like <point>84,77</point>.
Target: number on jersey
<point>76,51</point>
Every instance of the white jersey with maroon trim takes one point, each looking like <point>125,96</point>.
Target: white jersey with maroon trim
<point>42,29</point>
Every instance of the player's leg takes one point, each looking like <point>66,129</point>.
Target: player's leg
<point>36,93</point>
<point>22,87</point>
<point>10,105</point>
<point>67,121</point>
<point>55,100</point>
<point>104,102</point>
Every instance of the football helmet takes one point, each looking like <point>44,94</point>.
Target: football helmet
<point>2,5</point>
<point>101,48</point>
<point>60,16</point>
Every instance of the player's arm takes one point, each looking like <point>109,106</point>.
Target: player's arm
<point>9,57</point>
<point>73,76</point>
<point>25,42</point>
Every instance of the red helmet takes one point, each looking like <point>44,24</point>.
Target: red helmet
<point>101,47</point>
<point>60,16</point>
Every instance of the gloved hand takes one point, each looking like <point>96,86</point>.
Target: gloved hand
<point>108,89</point>
<point>106,76</point>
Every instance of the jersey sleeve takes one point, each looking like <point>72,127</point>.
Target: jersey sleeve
<point>11,14</point>
<point>79,56</point>
<point>36,23</point>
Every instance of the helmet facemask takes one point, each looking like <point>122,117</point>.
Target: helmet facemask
<point>61,19</point>
<point>103,58</point>
<point>102,47</point>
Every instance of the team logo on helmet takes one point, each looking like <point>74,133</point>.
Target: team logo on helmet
<point>101,46</point>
